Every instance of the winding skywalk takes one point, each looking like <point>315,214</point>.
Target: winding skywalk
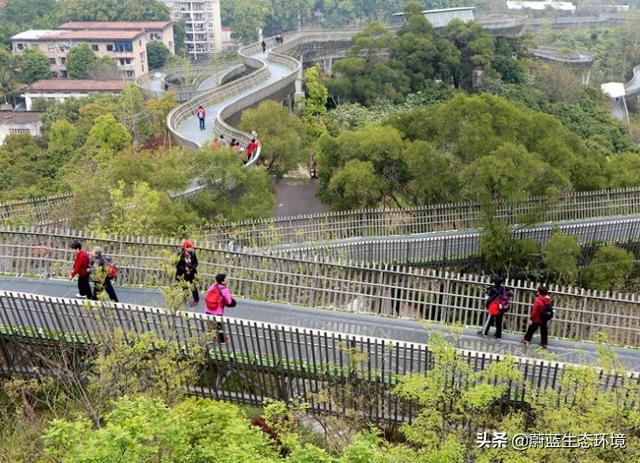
<point>391,329</point>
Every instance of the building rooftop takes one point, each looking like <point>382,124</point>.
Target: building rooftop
<point>89,35</point>
<point>78,85</point>
<point>20,117</point>
<point>115,25</point>
<point>37,34</point>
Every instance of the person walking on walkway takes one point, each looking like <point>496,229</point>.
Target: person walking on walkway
<point>223,141</point>
<point>497,305</point>
<point>264,46</point>
<point>202,116</point>
<point>215,144</point>
<point>218,297</point>
<point>187,269</point>
<point>252,148</point>
<point>81,268</point>
<point>541,313</point>
<point>102,272</point>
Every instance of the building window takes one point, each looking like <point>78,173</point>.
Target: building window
<point>95,47</point>
<point>52,61</point>
<point>122,46</point>
<point>109,47</point>
<point>64,74</point>
<point>130,74</point>
<point>19,131</point>
<point>20,46</point>
<point>63,60</point>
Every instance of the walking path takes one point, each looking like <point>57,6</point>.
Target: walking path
<point>353,323</point>
<point>190,128</point>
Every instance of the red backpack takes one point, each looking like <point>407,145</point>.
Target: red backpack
<point>213,298</point>
<point>112,271</point>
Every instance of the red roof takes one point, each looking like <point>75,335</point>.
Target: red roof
<point>78,85</point>
<point>115,25</point>
<point>99,35</point>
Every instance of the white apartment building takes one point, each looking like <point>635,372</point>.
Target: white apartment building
<point>203,24</point>
<point>127,48</point>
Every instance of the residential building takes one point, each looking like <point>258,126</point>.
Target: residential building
<point>203,24</point>
<point>15,122</point>
<point>60,90</point>
<point>127,48</point>
<point>156,30</point>
<point>228,42</point>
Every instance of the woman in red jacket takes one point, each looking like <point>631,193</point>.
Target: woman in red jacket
<point>537,321</point>
<point>81,268</point>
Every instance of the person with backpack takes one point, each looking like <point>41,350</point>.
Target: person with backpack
<point>81,268</point>
<point>541,313</point>
<point>202,116</point>
<point>102,272</point>
<point>218,297</point>
<point>497,304</point>
<point>187,269</point>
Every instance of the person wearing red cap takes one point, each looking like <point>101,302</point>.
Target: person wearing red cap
<point>187,269</point>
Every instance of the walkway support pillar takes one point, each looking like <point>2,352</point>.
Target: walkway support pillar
<point>299,94</point>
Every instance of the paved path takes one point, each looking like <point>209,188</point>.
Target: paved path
<point>351,323</point>
<point>190,128</point>
<point>297,197</point>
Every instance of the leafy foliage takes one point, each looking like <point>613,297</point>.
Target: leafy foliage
<point>157,54</point>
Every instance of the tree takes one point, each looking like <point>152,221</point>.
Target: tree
<point>104,68</point>
<point>157,54</point>
<point>32,65</point>
<point>356,186</point>
<point>476,50</point>
<point>609,269</point>
<point>249,15</point>
<point>315,102</point>
<point>623,170</point>
<point>80,60</point>
<point>560,257</point>
<point>435,175</point>
<point>281,134</point>
<point>108,134</point>
<point>114,10</point>
<point>63,139</point>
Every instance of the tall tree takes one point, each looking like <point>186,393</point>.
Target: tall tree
<point>80,60</point>
<point>32,65</point>
<point>157,54</point>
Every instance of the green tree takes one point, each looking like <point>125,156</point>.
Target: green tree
<point>609,270</point>
<point>63,139</point>
<point>108,134</point>
<point>114,10</point>
<point>560,257</point>
<point>281,135</point>
<point>476,50</point>
<point>80,61</point>
<point>315,103</point>
<point>32,65</point>
<point>157,54</point>
<point>435,175</point>
<point>356,186</point>
<point>249,15</point>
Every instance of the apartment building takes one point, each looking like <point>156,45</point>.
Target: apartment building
<point>203,24</point>
<point>127,48</point>
<point>156,30</point>
<point>61,90</point>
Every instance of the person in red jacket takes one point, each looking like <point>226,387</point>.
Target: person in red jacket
<point>542,300</point>
<point>252,147</point>
<point>81,268</point>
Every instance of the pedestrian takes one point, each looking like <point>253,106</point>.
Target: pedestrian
<point>541,313</point>
<point>81,268</point>
<point>223,141</point>
<point>252,149</point>
<point>102,272</point>
<point>497,304</point>
<point>187,269</point>
<point>313,170</point>
<point>202,115</point>
<point>218,297</point>
<point>264,46</point>
<point>215,144</point>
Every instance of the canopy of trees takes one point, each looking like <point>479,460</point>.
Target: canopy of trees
<point>480,148</point>
<point>157,54</point>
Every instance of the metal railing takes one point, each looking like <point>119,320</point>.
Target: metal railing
<point>455,247</point>
<point>391,290</point>
<point>304,362</point>
<point>438,217</point>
